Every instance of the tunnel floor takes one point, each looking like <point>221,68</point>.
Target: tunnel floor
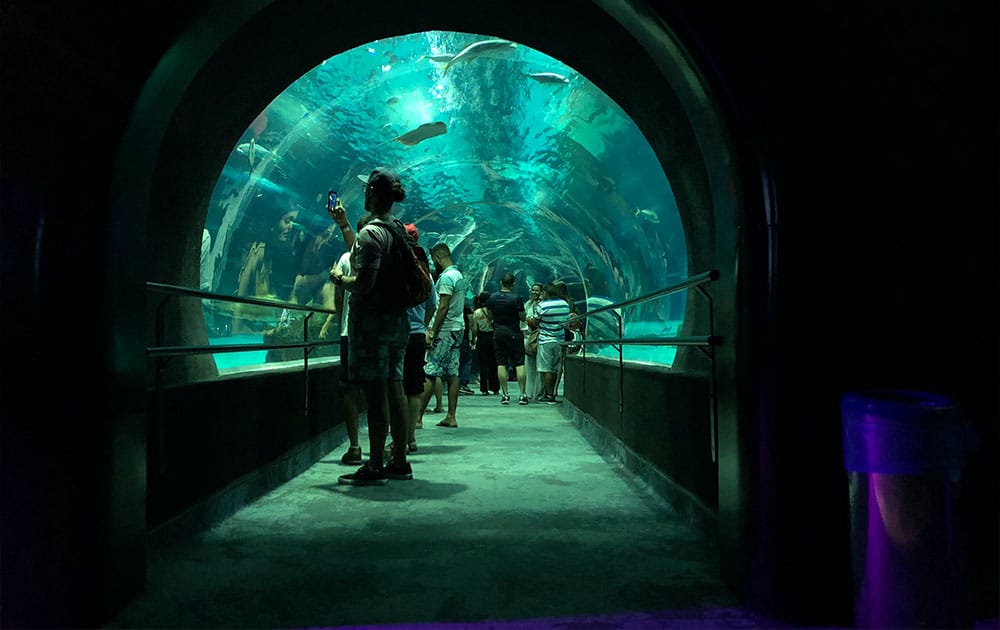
<point>512,520</point>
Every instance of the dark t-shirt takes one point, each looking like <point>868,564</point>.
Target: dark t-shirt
<point>506,307</point>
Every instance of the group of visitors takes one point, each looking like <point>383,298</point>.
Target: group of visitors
<point>398,358</point>
<point>506,334</point>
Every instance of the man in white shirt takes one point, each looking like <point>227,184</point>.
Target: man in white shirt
<point>444,334</point>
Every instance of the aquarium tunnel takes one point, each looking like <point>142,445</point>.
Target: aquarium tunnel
<point>514,159</point>
<point>607,168</point>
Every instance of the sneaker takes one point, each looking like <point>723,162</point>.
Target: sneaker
<point>485,393</point>
<point>365,476</point>
<point>465,389</point>
<point>402,472</point>
<point>551,400</point>
<point>504,399</point>
<point>352,457</point>
<point>523,400</point>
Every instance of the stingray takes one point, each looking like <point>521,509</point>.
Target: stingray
<point>421,133</point>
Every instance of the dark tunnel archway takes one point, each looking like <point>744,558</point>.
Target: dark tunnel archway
<point>214,82</point>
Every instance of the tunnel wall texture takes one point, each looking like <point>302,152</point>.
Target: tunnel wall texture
<point>665,421</point>
<point>225,442</point>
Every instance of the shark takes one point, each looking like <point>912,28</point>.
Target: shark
<point>254,152</point>
<point>421,133</point>
<point>472,51</point>
<point>548,77</point>
<point>647,214</point>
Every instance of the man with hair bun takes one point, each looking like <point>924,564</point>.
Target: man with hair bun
<point>378,333</point>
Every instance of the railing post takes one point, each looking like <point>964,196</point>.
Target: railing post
<point>161,429</point>
<point>621,374</point>
<point>305,366</point>
<point>713,396</point>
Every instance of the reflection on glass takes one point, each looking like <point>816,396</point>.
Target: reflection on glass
<point>511,157</point>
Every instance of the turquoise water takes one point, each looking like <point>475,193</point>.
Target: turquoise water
<point>544,176</point>
<point>228,360</point>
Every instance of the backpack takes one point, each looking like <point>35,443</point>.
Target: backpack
<point>411,284</point>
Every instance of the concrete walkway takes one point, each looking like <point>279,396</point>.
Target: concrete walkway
<point>512,520</point>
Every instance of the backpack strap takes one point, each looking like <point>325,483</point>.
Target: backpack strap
<point>396,227</point>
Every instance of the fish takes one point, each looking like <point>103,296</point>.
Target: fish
<point>548,77</point>
<point>445,58</point>
<point>472,51</point>
<point>392,100</point>
<point>421,133</point>
<point>647,214</point>
<point>254,152</point>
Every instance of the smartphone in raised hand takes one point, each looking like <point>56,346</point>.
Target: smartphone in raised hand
<point>331,200</point>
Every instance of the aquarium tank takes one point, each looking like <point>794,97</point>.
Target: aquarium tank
<point>509,156</point>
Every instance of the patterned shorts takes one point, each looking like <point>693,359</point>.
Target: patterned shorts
<point>443,358</point>
<point>377,346</point>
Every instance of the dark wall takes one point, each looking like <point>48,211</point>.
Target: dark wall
<point>216,432</point>
<point>665,418</point>
<point>73,409</point>
<point>877,123</point>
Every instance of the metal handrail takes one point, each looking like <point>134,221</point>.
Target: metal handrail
<point>178,351</point>
<point>175,351</point>
<point>705,343</point>
<point>170,289</point>
<point>162,354</point>
<point>704,340</point>
<point>691,282</point>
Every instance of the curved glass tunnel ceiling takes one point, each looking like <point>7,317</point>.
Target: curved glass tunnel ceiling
<point>511,157</point>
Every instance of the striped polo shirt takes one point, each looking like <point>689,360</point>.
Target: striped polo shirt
<point>552,314</point>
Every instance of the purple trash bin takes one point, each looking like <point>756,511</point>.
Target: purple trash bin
<point>904,452</point>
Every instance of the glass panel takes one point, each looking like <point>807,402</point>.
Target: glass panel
<point>511,157</point>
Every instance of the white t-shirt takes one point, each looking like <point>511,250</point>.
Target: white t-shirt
<point>452,282</point>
